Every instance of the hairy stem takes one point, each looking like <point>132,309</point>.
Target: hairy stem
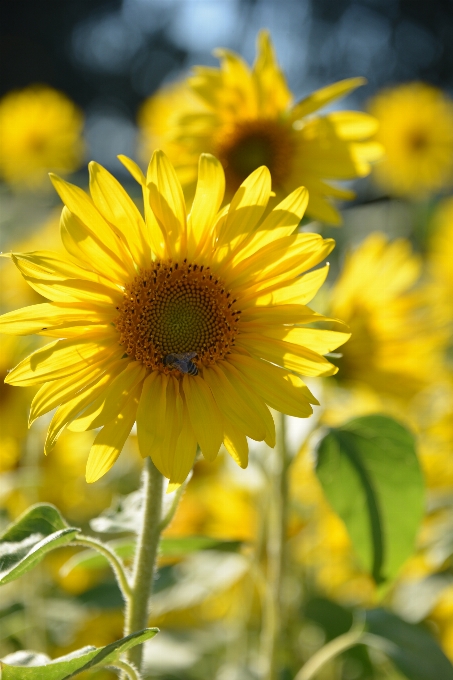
<point>276,537</point>
<point>115,562</point>
<point>145,558</point>
<point>128,670</point>
<point>330,651</point>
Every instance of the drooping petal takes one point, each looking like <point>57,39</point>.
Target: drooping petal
<point>204,414</point>
<point>151,417</point>
<point>236,444</point>
<point>119,392</point>
<point>185,451</point>
<point>110,440</point>
<point>233,406</point>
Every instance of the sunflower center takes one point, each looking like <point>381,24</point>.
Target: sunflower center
<point>246,145</point>
<point>177,309</point>
<point>418,140</point>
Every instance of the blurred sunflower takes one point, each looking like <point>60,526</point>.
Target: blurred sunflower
<point>185,324</point>
<point>40,130</point>
<point>398,334</point>
<point>440,256</point>
<point>246,118</point>
<point>416,131</point>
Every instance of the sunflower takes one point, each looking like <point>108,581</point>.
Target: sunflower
<point>192,326</point>
<point>40,130</point>
<point>246,118</point>
<point>398,334</point>
<point>416,132</point>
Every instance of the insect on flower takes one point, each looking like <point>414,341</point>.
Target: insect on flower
<point>183,362</point>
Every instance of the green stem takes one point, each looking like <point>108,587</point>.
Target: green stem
<point>177,495</point>
<point>115,562</point>
<point>330,651</point>
<point>276,538</point>
<point>145,558</point>
<point>127,668</point>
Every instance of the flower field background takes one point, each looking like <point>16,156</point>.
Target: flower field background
<point>329,556</point>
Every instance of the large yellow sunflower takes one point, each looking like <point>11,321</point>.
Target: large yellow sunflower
<point>246,118</point>
<point>416,132</point>
<point>40,130</point>
<point>190,325</point>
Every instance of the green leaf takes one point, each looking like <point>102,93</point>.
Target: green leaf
<point>175,547</point>
<point>168,547</point>
<point>411,648</point>
<point>25,542</point>
<point>69,666</point>
<point>371,476</point>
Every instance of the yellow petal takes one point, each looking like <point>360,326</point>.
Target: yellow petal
<point>60,358</point>
<point>151,417</point>
<point>286,354</point>
<point>167,202</point>
<point>300,291</point>
<point>273,93</point>
<point>110,440</point>
<point>253,400</point>
<point>117,207</point>
<point>324,96</point>
<point>36,318</point>
<point>206,204</point>
<point>281,314</point>
<point>287,256</point>
<point>236,444</point>
<point>204,414</point>
<point>353,125</point>
<point>185,452</point>
<point>119,392</point>
<point>233,405</point>
<point>80,205</point>
<point>281,221</point>
<point>133,168</point>
<point>173,425</point>
<point>56,392</point>
<point>246,209</point>
<point>282,390</point>
<point>68,411</point>
<point>318,340</point>
<point>82,244</point>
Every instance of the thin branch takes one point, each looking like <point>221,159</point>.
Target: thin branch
<point>115,562</point>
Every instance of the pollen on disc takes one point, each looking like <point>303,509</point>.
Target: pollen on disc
<point>175,308</point>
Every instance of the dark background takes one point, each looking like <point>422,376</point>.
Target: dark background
<point>108,55</point>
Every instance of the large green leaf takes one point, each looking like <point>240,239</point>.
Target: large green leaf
<point>411,648</point>
<point>25,542</point>
<point>168,547</point>
<point>69,666</point>
<point>371,476</point>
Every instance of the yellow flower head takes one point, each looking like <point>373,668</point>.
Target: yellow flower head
<point>246,118</point>
<point>40,130</point>
<point>397,332</point>
<point>192,326</point>
<point>416,131</point>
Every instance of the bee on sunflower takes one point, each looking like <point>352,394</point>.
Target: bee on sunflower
<point>223,285</point>
<point>246,118</point>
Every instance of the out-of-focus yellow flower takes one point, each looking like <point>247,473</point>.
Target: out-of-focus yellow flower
<point>440,257</point>
<point>40,130</point>
<point>397,331</point>
<point>416,131</point>
<point>186,325</point>
<point>246,118</point>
